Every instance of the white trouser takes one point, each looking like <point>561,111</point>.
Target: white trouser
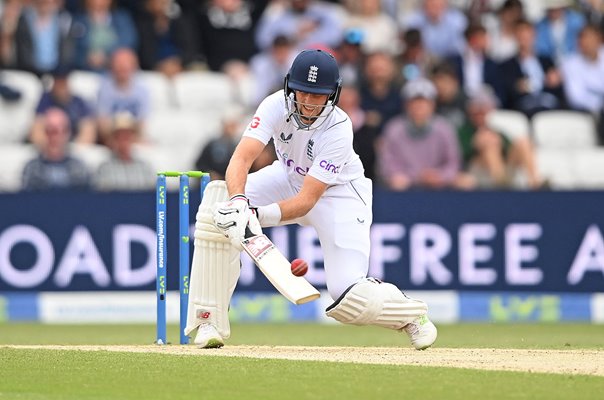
<point>342,218</point>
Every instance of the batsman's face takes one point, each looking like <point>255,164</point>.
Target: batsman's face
<point>310,105</point>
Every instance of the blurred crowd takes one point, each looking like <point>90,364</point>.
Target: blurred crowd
<point>420,79</point>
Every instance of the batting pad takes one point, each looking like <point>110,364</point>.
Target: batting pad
<point>371,302</point>
<point>215,267</point>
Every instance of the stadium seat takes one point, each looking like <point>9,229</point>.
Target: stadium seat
<point>589,168</point>
<point>182,133</point>
<point>91,154</point>
<point>161,90</point>
<point>206,91</point>
<point>557,167</point>
<point>85,84</point>
<point>512,124</point>
<point>21,112</point>
<point>14,157</point>
<point>564,130</point>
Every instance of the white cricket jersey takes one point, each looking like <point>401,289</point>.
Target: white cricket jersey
<point>324,153</point>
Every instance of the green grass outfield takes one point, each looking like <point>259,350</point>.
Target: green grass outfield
<point>58,374</point>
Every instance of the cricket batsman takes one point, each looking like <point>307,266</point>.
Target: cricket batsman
<point>318,180</point>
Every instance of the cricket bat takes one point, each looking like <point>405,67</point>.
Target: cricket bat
<point>278,270</point>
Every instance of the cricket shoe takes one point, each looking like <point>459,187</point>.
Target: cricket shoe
<point>421,332</point>
<point>208,337</point>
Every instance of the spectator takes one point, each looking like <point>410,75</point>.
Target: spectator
<point>492,159</point>
<point>44,37</point>
<point>441,26</point>
<point>350,56</point>
<point>100,30</point>
<point>269,67</point>
<point>501,30</point>
<point>165,38</point>
<point>533,83</point>
<point>124,172</point>
<point>81,117</point>
<point>365,134</point>
<point>121,91</point>
<point>582,76</point>
<point>450,98</point>
<point>215,156</point>
<point>380,91</point>
<point>416,62</point>
<point>9,18</point>
<point>54,168</point>
<point>421,149</point>
<point>308,22</point>
<point>557,32</point>
<point>227,29</point>
<point>583,72</point>
<point>473,66</point>
<point>379,29</point>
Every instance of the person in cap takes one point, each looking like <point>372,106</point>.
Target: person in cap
<point>420,149</point>
<point>318,181</point>
<point>124,171</point>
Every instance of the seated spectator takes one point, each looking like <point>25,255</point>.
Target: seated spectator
<point>583,73</point>
<point>441,26</point>
<point>583,76</point>
<point>121,91</point>
<point>215,156</point>
<point>165,38</point>
<point>380,90</point>
<point>365,133</point>
<point>420,150</point>
<point>81,117</point>
<point>54,168</point>
<point>501,29</point>
<point>473,66</point>
<point>350,56</point>
<point>226,31</point>
<point>270,66</point>
<point>9,19</point>
<point>415,61</point>
<point>307,22</point>
<point>557,32</point>
<point>533,83</point>
<point>380,29</point>
<point>44,37</point>
<point>450,98</point>
<point>494,160</point>
<point>124,172</point>
<point>101,29</point>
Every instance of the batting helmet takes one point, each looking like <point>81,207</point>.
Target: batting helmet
<point>314,71</point>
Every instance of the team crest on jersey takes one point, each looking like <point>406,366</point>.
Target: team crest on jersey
<point>309,146</point>
<point>285,139</point>
<point>312,73</point>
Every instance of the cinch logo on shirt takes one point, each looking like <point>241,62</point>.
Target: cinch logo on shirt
<point>289,163</point>
<point>312,73</point>
<point>328,166</point>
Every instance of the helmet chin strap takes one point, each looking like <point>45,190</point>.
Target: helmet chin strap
<point>293,109</point>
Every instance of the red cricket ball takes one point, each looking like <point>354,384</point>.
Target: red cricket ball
<point>299,267</point>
